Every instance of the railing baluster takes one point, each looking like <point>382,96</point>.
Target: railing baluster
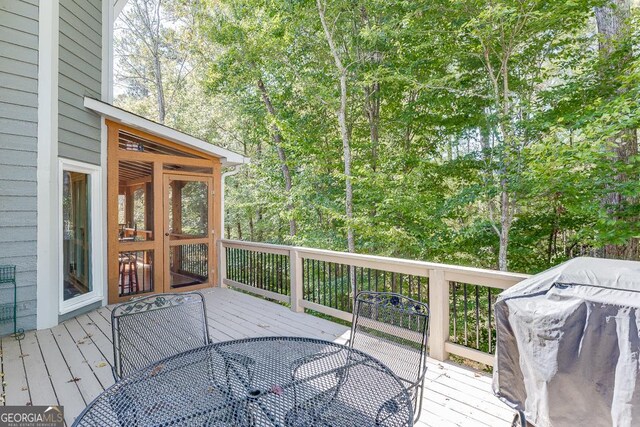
<point>477,317</point>
<point>489,323</point>
<point>455,311</point>
<point>269,272</point>
<point>342,284</point>
<point>305,273</point>
<point>376,279</point>
<point>312,280</point>
<point>410,290</point>
<point>321,288</point>
<point>466,306</point>
<point>279,272</point>
<point>260,269</point>
<point>335,280</point>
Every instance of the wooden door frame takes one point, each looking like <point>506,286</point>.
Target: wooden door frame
<point>114,246</point>
<point>166,180</point>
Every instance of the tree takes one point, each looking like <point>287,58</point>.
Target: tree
<point>145,59</point>
<point>613,20</point>
<point>485,133</point>
<point>342,120</point>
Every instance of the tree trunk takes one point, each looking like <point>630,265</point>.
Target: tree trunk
<point>344,131</point>
<point>259,235</point>
<point>611,20</point>
<point>277,139</point>
<point>372,110</point>
<point>505,227</point>
<point>159,89</point>
<point>612,26</point>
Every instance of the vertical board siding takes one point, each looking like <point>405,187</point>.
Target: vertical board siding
<point>18,152</point>
<point>79,76</point>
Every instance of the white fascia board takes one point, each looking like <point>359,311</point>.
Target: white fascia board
<point>227,157</point>
<point>118,6</point>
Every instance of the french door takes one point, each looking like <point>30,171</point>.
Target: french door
<point>188,220</point>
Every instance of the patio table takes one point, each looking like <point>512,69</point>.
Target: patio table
<point>268,381</point>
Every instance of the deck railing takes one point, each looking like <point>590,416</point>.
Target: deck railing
<point>460,298</point>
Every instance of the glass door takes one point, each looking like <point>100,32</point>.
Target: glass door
<point>80,256</point>
<point>188,222</point>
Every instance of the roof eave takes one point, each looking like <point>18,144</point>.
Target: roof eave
<point>227,157</point>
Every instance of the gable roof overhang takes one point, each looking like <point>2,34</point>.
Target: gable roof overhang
<point>227,157</point>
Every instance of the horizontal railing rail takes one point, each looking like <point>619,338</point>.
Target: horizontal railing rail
<point>460,298</point>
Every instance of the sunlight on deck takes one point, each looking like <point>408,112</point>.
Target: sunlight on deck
<point>69,364</point>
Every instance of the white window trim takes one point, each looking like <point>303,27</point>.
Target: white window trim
<point>97,259</point>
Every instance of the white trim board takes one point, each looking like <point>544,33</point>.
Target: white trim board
<point>47,165</point>
<point>227,157</point>
<point>109,15</point>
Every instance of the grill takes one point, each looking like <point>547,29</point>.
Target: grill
<point>568,344</point>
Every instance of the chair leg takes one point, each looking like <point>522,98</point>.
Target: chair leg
<point>130,276</point>
<point>122,277</point>
<point>135,275</point>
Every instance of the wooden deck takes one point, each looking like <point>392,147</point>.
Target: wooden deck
<point>69,364</point>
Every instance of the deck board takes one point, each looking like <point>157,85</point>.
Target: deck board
<point>62,379</point>
<point>81,348</point>
<point>90,352</point>
<point>16,391</point>
<point>40,387</point>
<point>81,372</point>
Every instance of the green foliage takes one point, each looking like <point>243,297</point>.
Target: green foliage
<point>476,99</point>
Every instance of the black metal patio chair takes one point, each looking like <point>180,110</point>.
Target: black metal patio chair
<point>152,328</point>
<point>394,329</point>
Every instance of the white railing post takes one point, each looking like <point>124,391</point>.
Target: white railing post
<point>295,271</point>
<point>222,264</point>
<point>439,310</point>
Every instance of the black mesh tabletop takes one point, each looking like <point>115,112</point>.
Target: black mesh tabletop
<point>271,381</point>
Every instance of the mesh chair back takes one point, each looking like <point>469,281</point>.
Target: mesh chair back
<point>394,329</point>
<point>152,328</point>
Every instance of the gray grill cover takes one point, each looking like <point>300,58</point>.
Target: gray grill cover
<point>568,345</point>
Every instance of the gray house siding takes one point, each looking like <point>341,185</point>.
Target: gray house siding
<point>79,76</point>
<point>18,151</point>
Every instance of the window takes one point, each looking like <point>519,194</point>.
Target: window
<point>80,251</point>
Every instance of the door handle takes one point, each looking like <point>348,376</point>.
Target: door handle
<point>166,234</point>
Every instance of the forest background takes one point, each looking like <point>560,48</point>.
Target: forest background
<point>490,133</point>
